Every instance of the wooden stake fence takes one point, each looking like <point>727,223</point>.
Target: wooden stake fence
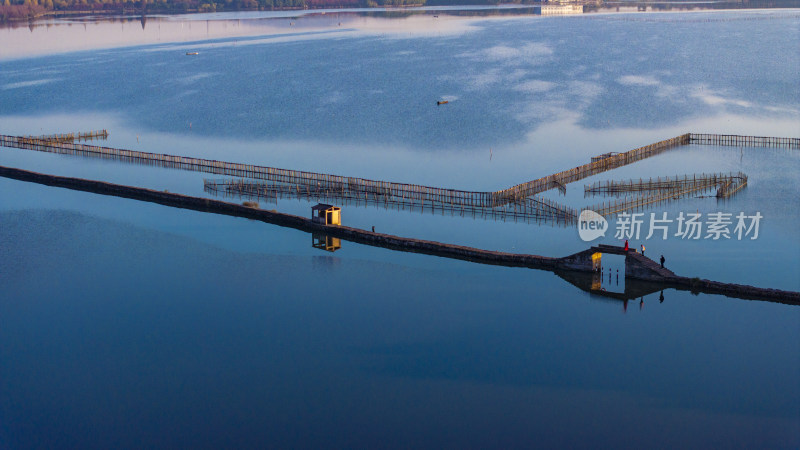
<point>723,182</point>
<point>744,141</point>
<point>301,178</point>
<point>513,198</point>
<point>607,162</point>
<point>528,210</point>
<point>668,189</point>
<point>70,137</point>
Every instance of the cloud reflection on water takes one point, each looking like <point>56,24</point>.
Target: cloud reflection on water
<point>511,77</point>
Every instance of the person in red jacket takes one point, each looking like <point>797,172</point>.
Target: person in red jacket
<point>626,245</point>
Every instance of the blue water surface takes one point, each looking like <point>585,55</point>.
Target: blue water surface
<point>127,325</point>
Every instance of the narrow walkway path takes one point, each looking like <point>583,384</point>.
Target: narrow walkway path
<point>651,265</point>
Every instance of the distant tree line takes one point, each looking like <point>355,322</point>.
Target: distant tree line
<point>26,9</point>
<point>14,11</point>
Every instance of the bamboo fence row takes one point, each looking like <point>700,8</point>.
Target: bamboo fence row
<point>517,199</point>
<point>598,166</point>
<point>69,137</point>
<point>726,186</point>
<point>744,141</point>
<point>723,182</point>
<point>529,210</point>
<point>632,18</point>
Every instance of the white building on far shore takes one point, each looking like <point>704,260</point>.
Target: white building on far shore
<point>557,10</point>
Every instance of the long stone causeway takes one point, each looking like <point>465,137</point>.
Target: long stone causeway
<point>577,269</point>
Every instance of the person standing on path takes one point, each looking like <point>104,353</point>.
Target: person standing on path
<point>642,249</point>
<point>662,261</point>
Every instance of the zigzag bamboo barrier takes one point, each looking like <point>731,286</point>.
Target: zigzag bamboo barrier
<point>527,210</point>
<point>514,198</point>
<point>305,181</point>
<point>597,166</point>
<point>297,177</point>
<point>667,190</point>
<point>70,137</point>
<point>726,184</point>
<point>744,141</point>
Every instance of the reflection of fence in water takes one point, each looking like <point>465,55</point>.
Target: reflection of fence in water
<point>528,210</point>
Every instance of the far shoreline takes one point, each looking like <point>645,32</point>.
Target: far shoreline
<point>35,13</point>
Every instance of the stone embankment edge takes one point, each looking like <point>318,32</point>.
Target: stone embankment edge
<point>743,291</point>
<point>286,220</point>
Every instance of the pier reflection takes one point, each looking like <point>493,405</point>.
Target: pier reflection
<point>325,242</point>
<point>592,282</point>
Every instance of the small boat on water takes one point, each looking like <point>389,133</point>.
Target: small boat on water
<point>192,53</point>
<point>441,102</point>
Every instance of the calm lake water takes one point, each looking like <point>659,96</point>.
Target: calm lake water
<point>129,325</point>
